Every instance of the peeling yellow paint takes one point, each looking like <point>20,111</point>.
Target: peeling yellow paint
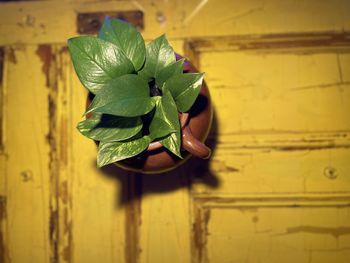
<point>277,187</point>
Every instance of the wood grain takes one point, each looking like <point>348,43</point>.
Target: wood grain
<point>277,187</point>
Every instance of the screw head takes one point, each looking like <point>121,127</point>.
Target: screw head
<point>330,172</point>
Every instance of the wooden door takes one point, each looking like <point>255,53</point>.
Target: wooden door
<point>277,188</point>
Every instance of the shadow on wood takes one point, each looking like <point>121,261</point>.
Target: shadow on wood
<point>136,185</point>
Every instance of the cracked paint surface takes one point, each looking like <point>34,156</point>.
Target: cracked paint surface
<point>277,188</point>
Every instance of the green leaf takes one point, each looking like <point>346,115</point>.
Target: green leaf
<point>127,38</point>
<point>110,152</point>
<point>110,128</point>
<point>166,117</point>
<point>173,143</point>
<point>97,61</point>
<point>159,54</point>
<point>169,71</point>
<point>126,96</point>
<point>185,89</point>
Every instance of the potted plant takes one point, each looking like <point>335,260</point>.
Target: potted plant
<point>147,112</point>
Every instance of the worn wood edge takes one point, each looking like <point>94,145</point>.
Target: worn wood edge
<point>65,154</point>
<point>60,207</point>
<point>3,208</point>
<point>191,53</point>
<point>4,251</point>
<point>64,140</point>
<point>4,255</point>
<point>133,219</point>
<point>2,99</point>
<point>201,217</point>
<point>303,43</point>
<point>283,140</point>
<point>271,200</point>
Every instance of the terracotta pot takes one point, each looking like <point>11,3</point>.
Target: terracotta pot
<point>195,126</point>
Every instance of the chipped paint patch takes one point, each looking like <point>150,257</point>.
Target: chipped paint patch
<point>333,231</point>
<point>63,192</point>
<point>304,43</point>
<point>3,249</point>
<point>45,53</point>
<point>133,217</point>
<point>46,56</point>
<point>200,232</point>
<point>51,57</point>
<point>2,59</point>
<point>11,55</point>
<point>53,233</point>
<point>63,141</point>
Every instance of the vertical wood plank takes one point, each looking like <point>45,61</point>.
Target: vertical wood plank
<point>165,227</point>
<point>26,166</point>
<point>98,212</point>
<point>165,222</point>
<point>56,206</point>
<point>3,206</point>
<point>54,61</point>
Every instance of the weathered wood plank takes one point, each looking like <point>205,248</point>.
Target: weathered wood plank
<point>293,43</point>
<point>278,109</point>
<point>98,196</point>
<point>244,171</point>
<point>280,234</point>
<point>55,21</point>
<point>165,226</point>
<point>164,230</point>
<point>4,257</point>
<point>27,164</point>
<point>278,92</point>
<point>289,228</point>
<point>278,74</point>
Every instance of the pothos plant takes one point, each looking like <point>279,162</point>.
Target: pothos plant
<point>139,91</point>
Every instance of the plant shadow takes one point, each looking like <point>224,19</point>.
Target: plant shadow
<point>194,171</point>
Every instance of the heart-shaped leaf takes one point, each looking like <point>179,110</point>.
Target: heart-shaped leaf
<point>127,38</point>
<point>97,61</point>
<point>166,118</point>
<point>173,143</point>
<point>126,96</point>
<point>169,71</point>
<point>110,152</point>
<point>185,89</point>
<point>159,54</point>
<point>110,128</point>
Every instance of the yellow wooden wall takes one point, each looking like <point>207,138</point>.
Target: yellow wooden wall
<point>277,188</point>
